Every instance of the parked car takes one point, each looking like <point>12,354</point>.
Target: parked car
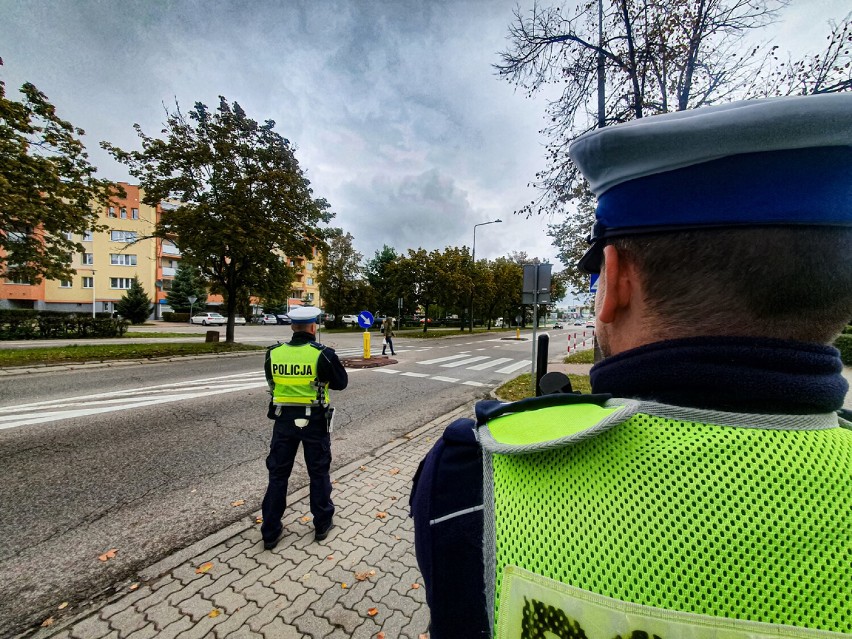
<point>266,318</point>
<point>205,319</point>
<point>350,320</point>
<point>239,319</point>
<point>578,323</point>
<point>558,325</point>
<point>283,319</point>
<point>590,324</point>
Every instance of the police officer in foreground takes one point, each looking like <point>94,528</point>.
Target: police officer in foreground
<point>704,489</point>
<point>300,373</point>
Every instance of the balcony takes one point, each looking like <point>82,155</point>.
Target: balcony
<point>168,271</point>
<point>170,249</point>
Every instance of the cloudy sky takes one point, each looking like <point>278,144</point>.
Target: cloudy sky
<point>395,109</point>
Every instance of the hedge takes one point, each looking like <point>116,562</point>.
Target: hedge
<point>848,330</point>
<point>30,324</point>
<point>175,317</point>
<point>844,345</point>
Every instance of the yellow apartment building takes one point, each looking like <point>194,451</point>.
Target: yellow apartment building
<point>112,258</point>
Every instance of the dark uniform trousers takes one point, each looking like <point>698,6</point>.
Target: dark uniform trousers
<point>316,443</point>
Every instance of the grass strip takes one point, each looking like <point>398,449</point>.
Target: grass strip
<point>101,352</point>
<point>153,334</point>
<point>581,357</point>
<point>520,387</point>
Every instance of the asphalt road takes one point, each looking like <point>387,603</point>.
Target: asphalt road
<point>149,458</point>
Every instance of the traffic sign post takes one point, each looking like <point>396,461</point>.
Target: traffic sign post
<point>536,291</point>
<point>192,299</point>
<point>365,321</point>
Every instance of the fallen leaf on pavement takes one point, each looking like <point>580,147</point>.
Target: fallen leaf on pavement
<point>258,520</point>
<point>305,577</point>
<point>415,586</point>
<point>63,605</point>
<point>306,518</point>
<point>381,515</point>
<point>344,585</point>
<point>423,636</point>
<point>394,497</point>
<point>393,471</point>
<point>361,576</point>
<point>133,586</point>
<point>109,554</point>
<point>362,468</point>
<point>47,622</point>
<point>372,573</point>
<point>215,613</point>
<point>333,481</point>
<point>373,612</point>
<point>397,537</point>
<point>239,502</point>
<point>381,635</point>
<point>330,557</point>
<point>204,568</point>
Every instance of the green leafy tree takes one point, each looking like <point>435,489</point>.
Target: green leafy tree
<point>187,283</point>
<point>653,56</point>
<point>417,277</point>
<point>135,306</point>
<point>378,274</point>
<point>338,276</point>
<point>244,199</point>
<point>48,189</point>
<point>454,270</point>
<point>508,277</point>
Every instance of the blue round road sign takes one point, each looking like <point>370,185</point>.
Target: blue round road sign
<point>365,319</point>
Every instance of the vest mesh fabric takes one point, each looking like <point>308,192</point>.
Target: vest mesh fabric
<point>296,388</point>
<point>730,522</point>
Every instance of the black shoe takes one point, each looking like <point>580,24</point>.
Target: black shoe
<point>322,533</point>
<point>269,545</point>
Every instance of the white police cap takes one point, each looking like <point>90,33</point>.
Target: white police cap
<point>778,161</point>
<point>304,314</point>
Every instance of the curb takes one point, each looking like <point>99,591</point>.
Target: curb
<point>11,371</point>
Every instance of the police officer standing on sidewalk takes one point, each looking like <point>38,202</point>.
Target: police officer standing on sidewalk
<point>704,489</point>
<point>300,374</point>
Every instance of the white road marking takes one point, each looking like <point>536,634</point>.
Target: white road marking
<point>474,384</point>
<point>469,360</point>
<point>415,375</point>
<point>383,370</point>
<point>444,359</point>
<point>493,362</point>
<point>513,367</point>
<point>452,380</point>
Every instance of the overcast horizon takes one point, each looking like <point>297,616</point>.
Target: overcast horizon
<point>397,115</point>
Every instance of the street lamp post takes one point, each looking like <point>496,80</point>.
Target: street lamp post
<point>94,302</point>
<point>473,259</point>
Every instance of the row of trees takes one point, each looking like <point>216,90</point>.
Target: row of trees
<point>423,280</point>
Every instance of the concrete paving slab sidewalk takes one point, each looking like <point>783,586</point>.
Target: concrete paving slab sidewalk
<point>361,581</point>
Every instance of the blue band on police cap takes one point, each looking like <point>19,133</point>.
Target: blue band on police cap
<point>810,186</point>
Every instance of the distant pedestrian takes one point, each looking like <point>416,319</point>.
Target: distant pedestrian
<point>300,374</point>
<point>387,331</point>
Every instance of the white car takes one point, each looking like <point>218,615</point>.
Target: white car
<point>209,319</point>
<point>239,319</point>
<point>350,320</point>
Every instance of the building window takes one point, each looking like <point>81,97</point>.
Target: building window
<point>69,236</point>
<point>18,279</point>
<point>310,281</point>
<point>134,214</point>
<point>167,285</point>
<point>121,282</point>
<point>65,284</point>
<point>88,259</point>
<point>123,236</point>
<point>123,213</point>
<point>309,297</point>
<point>310,266</point>
<point>111,212</point>
<point>88,282</point>
<point>120,259</point>
<point>87,236</point>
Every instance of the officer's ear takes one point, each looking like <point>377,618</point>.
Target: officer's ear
<point>615,288</point>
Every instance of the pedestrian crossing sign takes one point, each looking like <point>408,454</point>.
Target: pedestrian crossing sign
<point>593,282</point>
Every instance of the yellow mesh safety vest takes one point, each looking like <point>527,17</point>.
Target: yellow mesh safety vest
<point>636,519</point>
<point>294,372</point>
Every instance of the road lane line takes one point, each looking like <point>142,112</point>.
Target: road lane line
<point>513,367</point>
<point>494,362</point>
<point>469,360</point>
<point>444,359</point>
<point>386,370</point>
<point>415,374</point>
<point>473,384</point>
<point>452,380</point>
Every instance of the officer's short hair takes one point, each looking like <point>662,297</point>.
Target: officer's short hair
<point>778,282</point>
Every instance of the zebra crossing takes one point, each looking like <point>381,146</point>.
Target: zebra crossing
<point>127,399</point>
<point>463,359</point>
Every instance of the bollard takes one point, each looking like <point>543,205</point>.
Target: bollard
<point>541,362</point>
<point>366,344</point>
<point>212,336</point>
<point>518,333</point>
